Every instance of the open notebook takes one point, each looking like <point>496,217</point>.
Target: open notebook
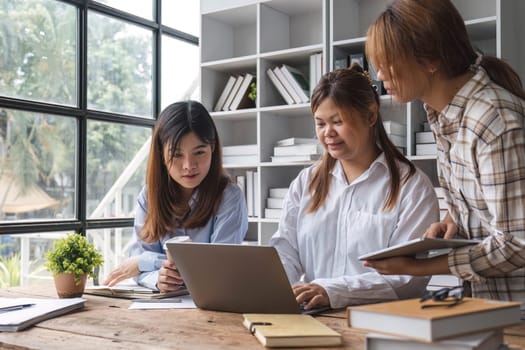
<point>128,289</point>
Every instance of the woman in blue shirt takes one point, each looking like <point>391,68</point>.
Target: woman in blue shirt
<point>187,193</point>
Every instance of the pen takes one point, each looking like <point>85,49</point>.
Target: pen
<point>157,300</point>
<point>15,307</point>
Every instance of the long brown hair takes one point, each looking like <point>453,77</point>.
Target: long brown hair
<point>166,206</point>
<point>351,90</point>
<point>432,31</point>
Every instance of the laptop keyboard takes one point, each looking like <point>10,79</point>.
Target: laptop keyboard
<point>313,311</point>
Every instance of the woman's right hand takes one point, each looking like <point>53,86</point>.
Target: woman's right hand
<point>169,277</point>
<point>446,229</point>
<point>127,269</point>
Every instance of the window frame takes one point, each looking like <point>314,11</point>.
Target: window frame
<point>82,114</point>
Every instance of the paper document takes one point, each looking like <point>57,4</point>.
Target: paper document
<point>181,302</point>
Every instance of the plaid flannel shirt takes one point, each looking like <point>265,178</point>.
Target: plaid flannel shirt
<point>481,162</point>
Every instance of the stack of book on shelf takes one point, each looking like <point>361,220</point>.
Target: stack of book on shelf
<point>291,83</point>
<point>425,142</point>
<point>297,149</point>
<point>249,184</point>
<point>274,202</point>
<point>240,155</point>
<point>237,93</point>
<point>397,134</point>
<point>472,323</point>
<point>440,194</point>
<point>316,70</point>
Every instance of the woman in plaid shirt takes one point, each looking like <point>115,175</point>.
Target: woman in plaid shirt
<point>476,107</point>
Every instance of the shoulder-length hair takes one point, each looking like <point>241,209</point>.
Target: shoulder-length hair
<point>431,31</point>
<point>166,206</point>
<point>351,90</point>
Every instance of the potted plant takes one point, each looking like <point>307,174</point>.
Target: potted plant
<point>71,262</point>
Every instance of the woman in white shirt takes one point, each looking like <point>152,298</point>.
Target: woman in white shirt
<point>362,196</point>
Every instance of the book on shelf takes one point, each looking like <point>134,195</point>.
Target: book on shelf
<point>341,63</point>
<point>274,203</point>
<point>241,98</point>
<point>406,318</point>
<point>241,182</point>
<point>132,291</point>
<point>296,158</point>
<point>25,312</point>
<point>395,128</point>
<point>295,141</point>
<point>233,93</point>
<point>272,213</point>
<point>256,195</point>
<point>224,94</point>
<point>287,85</point>
<point>248,159</point>
<point>307,148</point>
<point>397,140</point>
<point>426,149</point>
<point>238,150</point>
<point>298,81</point>
<point>316,70</point>
<point>360,59</point>
<point>277,192</point>
<point>250,193</point>
<point>280,87</point>
<point>489,340</point>
<point>425,137</point>
<point>290,330</point>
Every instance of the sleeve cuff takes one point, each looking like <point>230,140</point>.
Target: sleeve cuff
<point>459,264</point>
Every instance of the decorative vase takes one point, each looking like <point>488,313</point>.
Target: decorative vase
<point>66,287</point>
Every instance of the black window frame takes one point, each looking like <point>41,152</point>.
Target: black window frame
<point>81,224</point>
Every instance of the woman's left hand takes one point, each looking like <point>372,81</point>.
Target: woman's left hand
<point>311,293</point>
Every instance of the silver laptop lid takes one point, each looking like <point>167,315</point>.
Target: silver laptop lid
<point>234,278</point>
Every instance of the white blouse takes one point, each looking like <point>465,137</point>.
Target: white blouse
<point>323,247</point>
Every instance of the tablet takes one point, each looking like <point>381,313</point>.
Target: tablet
<point>419,247</point>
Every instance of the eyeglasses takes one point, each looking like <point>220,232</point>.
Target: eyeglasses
<point>443,297</point>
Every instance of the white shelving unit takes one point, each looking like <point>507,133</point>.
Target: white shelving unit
<point>239,36</point>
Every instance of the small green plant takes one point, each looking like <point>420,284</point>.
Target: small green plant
<point>252,95</point>
<point>73,254</point>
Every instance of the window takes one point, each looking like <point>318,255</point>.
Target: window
<point>80,88</point>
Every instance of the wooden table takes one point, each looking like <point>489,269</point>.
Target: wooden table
<point>106,323</point>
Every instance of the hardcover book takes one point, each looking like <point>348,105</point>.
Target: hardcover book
<point>25,312</point>
<point>298,82</point>
<point>406,318</point>
<point>287,85</point>
<point>225,93</point>
<point>280,87</point>
<point>290,330</point>
<point>241,99</point>
<point>489,340</point>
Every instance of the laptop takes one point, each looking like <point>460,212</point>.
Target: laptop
<point>235,278</point>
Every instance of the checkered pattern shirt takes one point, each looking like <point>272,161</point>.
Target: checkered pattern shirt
<point>481,162</point>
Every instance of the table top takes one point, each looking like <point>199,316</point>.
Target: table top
<point>107,323</point>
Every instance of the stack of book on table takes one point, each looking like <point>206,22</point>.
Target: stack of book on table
<point>297,149</point>
<point>274,202</point>
<point>240,155</point>
<point>472,323</point>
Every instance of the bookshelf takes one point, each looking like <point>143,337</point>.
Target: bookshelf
<point>250,36</point>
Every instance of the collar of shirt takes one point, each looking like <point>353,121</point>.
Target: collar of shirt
<point>338,172</point>
<point>446,123</point>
